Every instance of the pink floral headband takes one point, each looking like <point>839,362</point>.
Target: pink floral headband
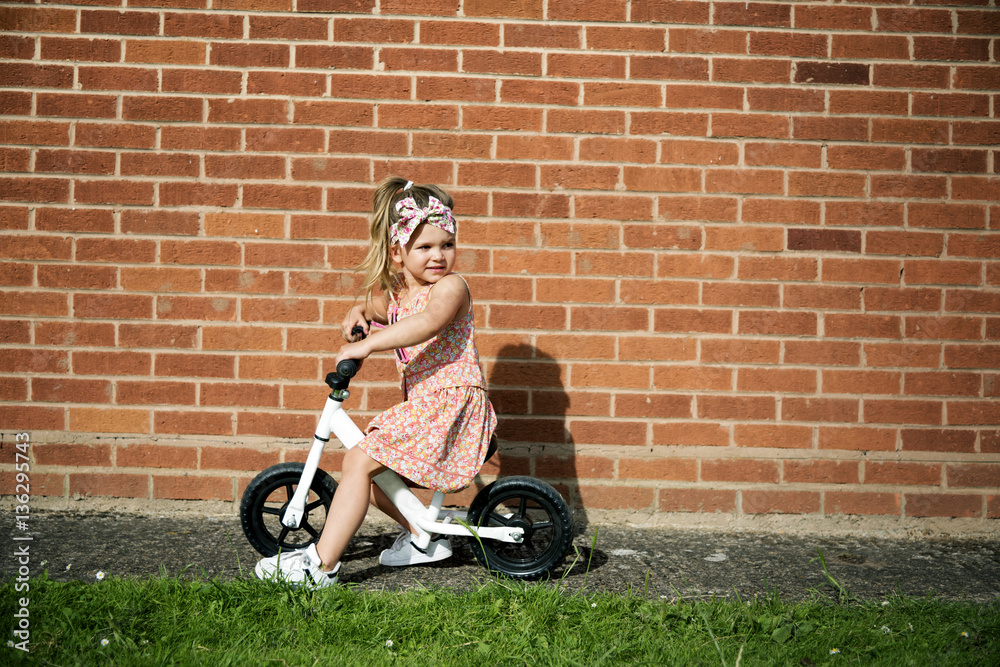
<point>411,215</point>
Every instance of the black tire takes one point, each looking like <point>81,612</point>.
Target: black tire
<point>533,506</point>
<point>265,499</point>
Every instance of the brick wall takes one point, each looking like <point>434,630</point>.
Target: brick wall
<point>726,257</point>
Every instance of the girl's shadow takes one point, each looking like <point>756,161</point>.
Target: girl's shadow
<point>526,387</point>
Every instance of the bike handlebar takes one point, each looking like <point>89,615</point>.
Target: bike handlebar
<point>347,368</point>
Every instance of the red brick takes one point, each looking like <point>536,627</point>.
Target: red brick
<point>76,105</point>
<point>861,270</point>
<point>895,473</point>
<point>659,68</point>
<point>659,122</point>
<point>913,355</point>
<point>108,420</point>
<point>157,392</point>
<point>772,435</point>
<point>821,472</point>
<point>973,475</point>
<point>68,334</point>
<point>737,294</point>
<point>904,243</point>
<point>165,51</point>
<point>577,467</point>
<point>857,438</point>
<point>862,382</point>
<point>681,96</point>
<point>737,407</point>
<point>781,502</point>
<point>830,129</point>
<point>973,413</point>
<point>286,27</point>
<point>649,406</point>
<point>697,500</point>
<point>72,455</point>
<point>950,104</point>
<point>47,76</point>
<point>654,11</point>
<point>665,469</point>
<point>866,157</point>
<point>649,348</point>
<point>739,470</point>
<point>787,99</point>
<point>785,155</point>
<point>192,423</point>
<point>540,35</point>
<point>819,409</point>
<point>689,321</point>
<point>159,164</point>
<point>622,38</point>
<point>615,497</point>
<point>911,76</point>
<point>903,412</point>
<point>107,484</point>
<point>118,78</point>
<point>78,277</point>
<point>751,70</point>
<point>692,378</point>
<point>943,504</point>
<point>191,487</point>
<point>852,502</point>
<point>913,20</point>
<point>40,189</point>
<point>424,116</point>
<point>195,138</point>
<point>711,41</point>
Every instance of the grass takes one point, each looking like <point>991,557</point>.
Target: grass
<point>247,622</point>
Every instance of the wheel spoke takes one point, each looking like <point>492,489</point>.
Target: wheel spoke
<point>311,506</point>
<point>542,525</point>
<point>523,508</point>
<point>289,490</point>
<point>309,529</point>
<point>282,535</point>
<point>499,519</point>
<point>271,510</point>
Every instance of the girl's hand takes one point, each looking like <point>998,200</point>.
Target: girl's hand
<point>359,350</point>
<point>355,318</point>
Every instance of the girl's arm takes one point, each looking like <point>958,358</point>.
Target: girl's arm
<point>448,300</point>
<point>375,309</point>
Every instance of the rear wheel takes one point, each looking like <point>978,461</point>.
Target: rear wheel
<point>264,502</point>
<point>538,511</point>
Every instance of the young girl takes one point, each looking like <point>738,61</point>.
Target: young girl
<point>439,435</point>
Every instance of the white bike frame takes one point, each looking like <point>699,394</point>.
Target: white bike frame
<point>335,420</point>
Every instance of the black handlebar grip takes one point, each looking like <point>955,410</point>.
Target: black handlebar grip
<point>348,368</point>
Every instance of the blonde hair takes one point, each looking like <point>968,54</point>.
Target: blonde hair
<point>377,265</point>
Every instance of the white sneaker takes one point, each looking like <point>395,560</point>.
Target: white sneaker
<point>405,552</point>
<point>299,568</point>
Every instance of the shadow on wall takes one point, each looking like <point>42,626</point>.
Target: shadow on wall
<point>526,387</point>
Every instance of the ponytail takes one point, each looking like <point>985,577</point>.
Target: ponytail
<point>377,265</point>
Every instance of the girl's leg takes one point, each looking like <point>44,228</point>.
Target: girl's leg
<point>349,506</point>
<point>381,501</point>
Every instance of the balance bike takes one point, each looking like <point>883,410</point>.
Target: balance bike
<point>518,526</point>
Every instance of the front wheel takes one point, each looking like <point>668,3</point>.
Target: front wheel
<point>532,506</point>
<point>264,502</point>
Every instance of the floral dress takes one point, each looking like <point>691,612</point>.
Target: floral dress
<point>438,436</point>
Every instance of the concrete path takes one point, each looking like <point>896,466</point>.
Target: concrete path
<point>656,562</point>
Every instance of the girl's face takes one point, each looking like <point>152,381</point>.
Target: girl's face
<point>428,256</point>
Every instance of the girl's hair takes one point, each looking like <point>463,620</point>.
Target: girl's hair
<point>378,266</point>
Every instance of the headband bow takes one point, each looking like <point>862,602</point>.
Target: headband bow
<point>411,215</point>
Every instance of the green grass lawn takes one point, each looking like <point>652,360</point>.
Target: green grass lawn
<point>246,622</point>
